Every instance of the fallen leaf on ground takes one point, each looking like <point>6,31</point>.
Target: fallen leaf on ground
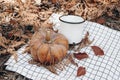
<point>97,50</point>
<point>81,71</point>
<point>101,21</point>
<point>80,55</point>
<point>17,43</point>
<point>13,52</point>
<point>54,1</point>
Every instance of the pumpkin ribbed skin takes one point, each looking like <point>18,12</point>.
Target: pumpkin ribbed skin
<point>51,52</point>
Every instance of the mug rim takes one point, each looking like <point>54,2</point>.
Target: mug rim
<point>71,22</point>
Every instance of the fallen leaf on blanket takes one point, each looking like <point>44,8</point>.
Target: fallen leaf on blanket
<point>34,62</point>
<point>52,69</point>
<point>70,57</point>
<point>81,71</point>
<point>27,49</point>
<point>15,56</point>
<point>85,42</point>
<point>97,50</point>
<point>59,66</point>
<point>80,55</point>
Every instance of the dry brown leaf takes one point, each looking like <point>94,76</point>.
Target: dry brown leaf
<point>9,11</point>
<point>18,33</point>
<point>90,3</point>
<point>3,52</point>
<point>19,1</point>
<point>109,13</point>
<point>13,52</point>
<point>81,71</point>
<point>51,68</point>
<point>60,66</point>
<point>15,55</point>
<point>84,42</point>
<point>80,55</point>
<point>27,49</point>
<point>3,45</point>
<point>66,62</point>
<point>17,43</point>
<point>70,4</point>
<point>70,57</point>
<point>13,22</point>
<point>34,62</point>
<point>3,41</point>
<point>97,50</point>
<point>101,21</point>
<point>54,1</point>
<point>25,36</point>
<point>47,24</point>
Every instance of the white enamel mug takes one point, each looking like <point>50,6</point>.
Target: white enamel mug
<point>71,27</point>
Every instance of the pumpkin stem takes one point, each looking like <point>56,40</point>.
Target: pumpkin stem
<point>48,36</point>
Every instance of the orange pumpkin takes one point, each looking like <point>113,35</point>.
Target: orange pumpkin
<point>48,47</point>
